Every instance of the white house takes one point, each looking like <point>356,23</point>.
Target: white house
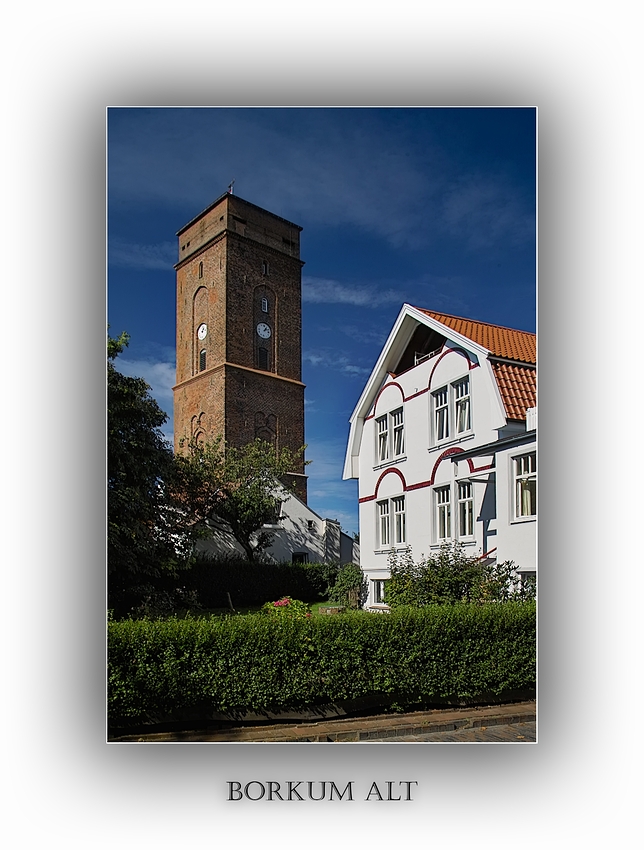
<point>299,536</point>
<point>443,444</point>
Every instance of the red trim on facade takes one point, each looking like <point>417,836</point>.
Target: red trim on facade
<point>480,468</point>
<point>386,472</point>
<point>408,487</point>
<point>471,364</point>
<point>415,395</point>
<point>455,450</point>
<point>386,387</point>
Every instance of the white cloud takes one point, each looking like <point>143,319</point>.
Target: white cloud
<point>160,256</point>
<point>317,290</point>
<point>332,360</point>
<point>160,376</point>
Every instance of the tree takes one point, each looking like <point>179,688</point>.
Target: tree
<point>141,541</point>
<point>241,486</point>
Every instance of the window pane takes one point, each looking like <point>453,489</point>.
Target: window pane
<point>399,515</point>
<point>383,522</point>
<point>526,485</point>
<point>443,514</point>
<point>465,510</point>
<point>441,420</point>
<point>398,431</point>
<point>462,397</point>
<point>383,439</point>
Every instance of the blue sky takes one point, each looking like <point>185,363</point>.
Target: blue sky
<point>431,206</point>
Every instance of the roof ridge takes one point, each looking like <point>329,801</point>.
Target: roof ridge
<point>475,321</point>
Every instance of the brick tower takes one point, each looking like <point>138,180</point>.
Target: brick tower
<point>239,329</point>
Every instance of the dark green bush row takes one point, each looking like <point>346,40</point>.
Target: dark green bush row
<point>171,669</point>
<point>254,584</point>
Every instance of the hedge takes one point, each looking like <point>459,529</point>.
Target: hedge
<point>163,670</point>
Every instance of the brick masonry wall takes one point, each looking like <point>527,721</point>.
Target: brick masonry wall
<point>231,257</point>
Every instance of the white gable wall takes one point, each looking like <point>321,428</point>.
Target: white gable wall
<point>426,465</point>
<point>417,478</point>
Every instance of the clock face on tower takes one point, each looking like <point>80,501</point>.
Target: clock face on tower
<point>263,330</point>
<point>202,331</point>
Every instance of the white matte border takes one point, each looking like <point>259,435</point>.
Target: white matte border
<point>580,67</point>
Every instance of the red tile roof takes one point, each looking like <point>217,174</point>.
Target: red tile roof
<point>517,383</point>
<point>499,341</point>
<point>518,387</point>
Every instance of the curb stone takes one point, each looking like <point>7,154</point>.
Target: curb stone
<point>351,730</point>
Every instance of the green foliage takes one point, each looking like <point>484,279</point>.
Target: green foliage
<point>172,669</point>
<point>238,485</point>
<point>350,587</point>
<point>141,537</point>
<point>159,503</point>
<point>449,577</point>
<point>256,583</point>
<point>287,607</point>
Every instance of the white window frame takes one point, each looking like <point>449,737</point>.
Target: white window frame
<point>440,414</point>
<point>391,522</point>
<point>397,432</point>
<point>378,591</point>
<point>443,513</point>
<point>390,436</point>
<point>452,411</point>
<point>384,527</point>
<point>382,439</point>
<point>465,509</point>
<point>399,521</point>
<point>462,406</point>
<point>524,472</point>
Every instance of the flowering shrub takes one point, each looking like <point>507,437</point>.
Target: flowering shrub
<point>287,607</point>
<point>451,576</point>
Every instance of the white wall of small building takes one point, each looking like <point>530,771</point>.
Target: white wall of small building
<point>300,531</point>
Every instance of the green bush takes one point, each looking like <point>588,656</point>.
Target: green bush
<point>160,670</point>
<point>451,576</point>
<point>350,587</point>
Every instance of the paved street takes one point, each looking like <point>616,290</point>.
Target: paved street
<point>513,733</point>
